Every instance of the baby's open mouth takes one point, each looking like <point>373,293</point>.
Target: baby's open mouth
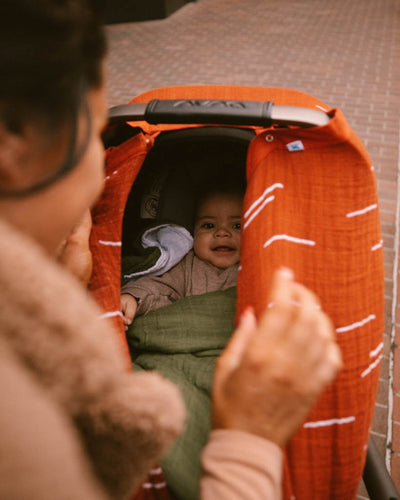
<point>223,249</point>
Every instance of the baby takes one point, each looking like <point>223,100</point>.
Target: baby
<point>212,264</point>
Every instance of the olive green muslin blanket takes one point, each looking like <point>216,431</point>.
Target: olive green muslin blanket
<point>182,341</point>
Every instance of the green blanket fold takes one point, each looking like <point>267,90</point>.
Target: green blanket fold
<point>182,341</point>
<point>136,263</point>
<point>139,258</point>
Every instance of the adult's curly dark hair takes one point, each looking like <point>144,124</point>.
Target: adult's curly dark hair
<point>50,54</point>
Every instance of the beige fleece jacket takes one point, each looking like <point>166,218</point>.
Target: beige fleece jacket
<point>63,360</point>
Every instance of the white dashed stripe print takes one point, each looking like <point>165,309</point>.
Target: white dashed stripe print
<point>261,198</point>
<point>254,215</point>
<point>292,239</point>
<point>377,246</point>
<point>110,243</point>
<point>357,324</point>
<point>376,351</point>
<point>362,211</point>
<point>294,303</point>
<point>372,366</point>
<point>328,423</point>
<point>157,486</point>
<point>111,314</point>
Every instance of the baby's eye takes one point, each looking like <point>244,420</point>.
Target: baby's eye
<point>207,225</point>
<point>236,226</point>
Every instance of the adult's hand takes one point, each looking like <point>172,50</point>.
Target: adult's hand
<point>271,373</point>
<point>74,254</point>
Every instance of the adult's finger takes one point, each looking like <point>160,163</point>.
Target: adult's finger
<point>233,352</point>
<point>310,312</point>
<point>276,318</point>
<point>81,230</point>
<point>304,298</point>
<point>311,334</point>
<point>280,289</point>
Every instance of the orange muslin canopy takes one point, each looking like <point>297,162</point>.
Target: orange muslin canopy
<point>311,205</point>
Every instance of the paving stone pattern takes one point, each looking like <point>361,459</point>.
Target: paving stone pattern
<point>345,52</point>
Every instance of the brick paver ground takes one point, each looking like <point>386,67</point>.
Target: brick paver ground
<point>345,52</point>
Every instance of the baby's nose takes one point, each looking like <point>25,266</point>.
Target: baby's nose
<point>222,231</point>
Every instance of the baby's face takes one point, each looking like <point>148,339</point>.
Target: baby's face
<point>217,230</point>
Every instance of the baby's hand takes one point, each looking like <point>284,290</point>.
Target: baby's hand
<point>128,308</point>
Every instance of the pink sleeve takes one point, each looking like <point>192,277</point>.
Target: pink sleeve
<point>241,466</point>
<point>155,292</point>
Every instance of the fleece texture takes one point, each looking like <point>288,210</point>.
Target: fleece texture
<point>77,364</point>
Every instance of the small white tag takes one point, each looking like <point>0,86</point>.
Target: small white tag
<point>295,146</point>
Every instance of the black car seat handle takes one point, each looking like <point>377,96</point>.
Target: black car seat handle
<point>211,111</point>
<point>217,111</point>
